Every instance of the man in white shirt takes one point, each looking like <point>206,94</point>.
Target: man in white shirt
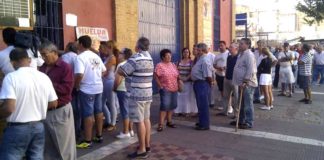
<point>220,67</point>
<point>88,70</point>
<point>294,66</point>
<point>318,62</point>
<point>70,54</point>
<point>258,57</point>
<point>27,95</point>
<point>210,59</point>
<point>286,76</point>
<point>8,35</point>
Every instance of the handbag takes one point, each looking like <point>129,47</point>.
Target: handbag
<point>293,68</point>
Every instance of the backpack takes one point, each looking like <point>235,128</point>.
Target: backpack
<point>28,40</point>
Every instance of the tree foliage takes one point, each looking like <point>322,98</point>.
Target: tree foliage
<point>313,9</point>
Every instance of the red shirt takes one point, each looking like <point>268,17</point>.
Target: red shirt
<point>61,76</point>
<point>168,75</point>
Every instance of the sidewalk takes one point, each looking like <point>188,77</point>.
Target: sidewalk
<point>292,130</point>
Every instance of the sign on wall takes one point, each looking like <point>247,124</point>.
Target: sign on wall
<point>96,34</point>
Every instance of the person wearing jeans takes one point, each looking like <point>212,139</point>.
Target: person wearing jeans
<point>88,70</point>
<point>244,76</point>
<point>318,65</point>
<point>120,88</point>
<point>166,76</point>
<point>109,98</point>
<point>201,74</point>
<point>26,94</point>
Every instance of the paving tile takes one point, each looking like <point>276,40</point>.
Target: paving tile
<point>170,152</point>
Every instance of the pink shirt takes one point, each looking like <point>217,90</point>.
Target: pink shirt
<point>168,76</point>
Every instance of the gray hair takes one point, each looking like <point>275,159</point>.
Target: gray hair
<point>48,46</point>
<point>143,44</point>
<point>234,45</point>
<point>203,47</point>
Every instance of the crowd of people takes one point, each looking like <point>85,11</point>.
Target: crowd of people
<point>52,102</point>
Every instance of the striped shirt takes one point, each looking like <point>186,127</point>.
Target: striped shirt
<point>306,68</point>
<point>185,69</point>
<point>139,75</point>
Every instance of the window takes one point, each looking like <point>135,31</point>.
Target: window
<point>49,23</point>
<point>16,13</point>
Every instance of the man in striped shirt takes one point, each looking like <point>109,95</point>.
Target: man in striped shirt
<point>305,72</point>
<point>138,71</point>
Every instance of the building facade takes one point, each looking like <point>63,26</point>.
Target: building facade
<point>172,24</point>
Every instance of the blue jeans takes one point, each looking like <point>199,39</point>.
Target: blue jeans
<point>318,70</point>
<point>247,108</point>
<point>257,90</point>
<point>109,104</point>
<point>90,104</point>
<point>23,140</point>
<point>202,90</point>
<point>169,100</point>
<point>123,104</point>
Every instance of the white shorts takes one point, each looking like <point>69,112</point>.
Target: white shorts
<point>286,75</point>
<point>265,79</point>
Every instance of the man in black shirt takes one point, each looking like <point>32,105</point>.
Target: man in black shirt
<point>229,88</point>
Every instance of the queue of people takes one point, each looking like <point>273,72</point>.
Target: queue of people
<point>53,102</point>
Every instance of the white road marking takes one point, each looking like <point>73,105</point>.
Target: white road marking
<point>260,134</point>
<point>111,148</point>
<point>301,92</point>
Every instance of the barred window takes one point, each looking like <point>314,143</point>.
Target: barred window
<point>15,13</point>
<point>49,20</point>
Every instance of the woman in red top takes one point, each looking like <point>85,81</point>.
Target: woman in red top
<point>166,76</point>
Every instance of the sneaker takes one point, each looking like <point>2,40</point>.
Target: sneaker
<point>303,100</point>
<point>97,139</point>
<point>122,135</point>
<point>131,133</point>
<point>84,145</point>
<point>136,155</point>
<point>271,107</point>
<point>245,126</point>
<point>308,101</point>
<point>230,110</point>
<point>256,101</point>
<point>265,108</point>
<point>111,128</point>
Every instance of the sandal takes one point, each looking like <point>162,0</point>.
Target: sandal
<point>160,128</point>
<point>171,125</point>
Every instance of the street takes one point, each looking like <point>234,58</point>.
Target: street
<point>292,130</point>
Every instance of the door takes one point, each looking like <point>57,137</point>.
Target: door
<point>159,22</point>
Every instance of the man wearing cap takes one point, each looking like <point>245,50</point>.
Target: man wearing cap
<point>286,76</point>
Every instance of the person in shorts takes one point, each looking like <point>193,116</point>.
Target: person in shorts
<point>286,76</point>
<point>88,70</point>
<point>265,82</point>
<point>138,71</point>
<point>305,71</point>
<point>166,76</point>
